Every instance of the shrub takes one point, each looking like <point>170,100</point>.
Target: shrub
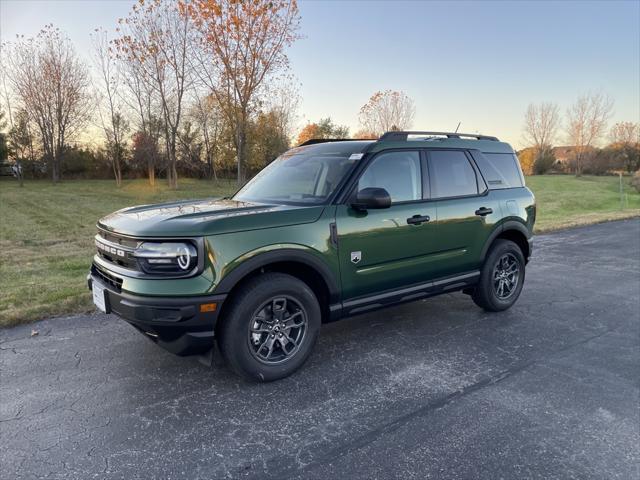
<point>544,161</point>
<point>527,158</point>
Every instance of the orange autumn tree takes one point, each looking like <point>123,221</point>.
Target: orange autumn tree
<point>310,131</point>
<point>242,46</point>
<point>324,128</point>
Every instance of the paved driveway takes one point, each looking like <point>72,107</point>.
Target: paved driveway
<point>434,389</point>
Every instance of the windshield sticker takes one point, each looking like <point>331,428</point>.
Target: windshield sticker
<point>356,156</point>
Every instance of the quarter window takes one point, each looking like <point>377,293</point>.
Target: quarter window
<point>501,170</point>
<point>398,173</point>
<point>451,174</point>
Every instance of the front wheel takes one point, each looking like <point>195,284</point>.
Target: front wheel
<point>502,277</point>
<point>270,327</point>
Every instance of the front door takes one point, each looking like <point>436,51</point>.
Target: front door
<point>388,248</point>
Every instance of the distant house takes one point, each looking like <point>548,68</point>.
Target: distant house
<point>564,154</point>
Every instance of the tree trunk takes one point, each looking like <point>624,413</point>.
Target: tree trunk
<point>242,153</point>
<point>579,164</point>
<point>55,168</point>
<point>152,174</point>
<point>172,174</point>
<point>117,172</point>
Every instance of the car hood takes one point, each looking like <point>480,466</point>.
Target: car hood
<point>194,218</point>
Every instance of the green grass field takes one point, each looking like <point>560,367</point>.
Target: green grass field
<point>46,230</point>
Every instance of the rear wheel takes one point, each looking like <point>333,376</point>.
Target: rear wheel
<point>502,277</point>
<point>270,327</point>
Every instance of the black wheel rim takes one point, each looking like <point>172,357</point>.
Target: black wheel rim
<point>277,330</point>
<point>506,276</point>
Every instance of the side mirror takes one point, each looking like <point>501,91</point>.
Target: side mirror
<point>371,197</point>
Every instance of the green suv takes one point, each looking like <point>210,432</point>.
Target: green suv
<point>330,229</point>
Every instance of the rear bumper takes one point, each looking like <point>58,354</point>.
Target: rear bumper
<point>176,324</point>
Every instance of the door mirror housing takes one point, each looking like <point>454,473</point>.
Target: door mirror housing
<point>371,198</point>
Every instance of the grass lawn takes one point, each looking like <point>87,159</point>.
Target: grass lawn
<point>566,201</point>
<point>46,238</point>
<point>46,230</point>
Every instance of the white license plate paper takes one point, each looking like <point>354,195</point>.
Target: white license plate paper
<point>98,296</point>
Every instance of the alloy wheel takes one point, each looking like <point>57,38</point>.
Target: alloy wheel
<point>277,330</point>
<point>506,275</point>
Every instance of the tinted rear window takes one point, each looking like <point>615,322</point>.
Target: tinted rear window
<point>451,174</point>
<point>500,170</point>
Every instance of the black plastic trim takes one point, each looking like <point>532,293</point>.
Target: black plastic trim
<point>505,227</point>
<point>408,294</point>
<point>174,323</point>
<point>236,275</point>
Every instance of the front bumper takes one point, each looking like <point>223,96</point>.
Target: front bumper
<point>176,324</point>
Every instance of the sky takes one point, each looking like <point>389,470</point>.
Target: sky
<point>478,63</point>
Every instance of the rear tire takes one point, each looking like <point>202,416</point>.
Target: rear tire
<point>501,278</point>
<point>270,327</point>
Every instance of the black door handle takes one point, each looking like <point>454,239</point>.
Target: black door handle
<point>418,219</point>
<point>482,211</point>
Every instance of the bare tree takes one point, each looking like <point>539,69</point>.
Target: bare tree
<point>242,45</point>
<point>139,97</point>
<point>283,101</point>
<point>156,37</point>
<point>385,111</point>
<point>586,123</point>
<point>208,117</point>
<point>625,140</point>
<point>541,124</point>
<point>113,122</point>
<point>625,133</point>
<point>51,85</point>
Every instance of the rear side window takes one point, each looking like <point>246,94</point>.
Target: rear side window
<point>500,170</point>
<point>451,174</point>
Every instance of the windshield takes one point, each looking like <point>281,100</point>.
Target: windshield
<point>303,175</point>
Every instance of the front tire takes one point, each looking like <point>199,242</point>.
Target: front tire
<point>502,277</point>
<point>270,327</point>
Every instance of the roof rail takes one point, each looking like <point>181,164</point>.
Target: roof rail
<point>313,141</point>
<point>403,136</point>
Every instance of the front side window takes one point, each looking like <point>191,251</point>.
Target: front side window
<point>398,173</point>
<point>451,174</point>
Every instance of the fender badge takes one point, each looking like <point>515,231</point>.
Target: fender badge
<point>356,257</point>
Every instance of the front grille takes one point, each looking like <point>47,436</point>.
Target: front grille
<point>105,277</point>
<point>117,250</point>
<point>117,239</point>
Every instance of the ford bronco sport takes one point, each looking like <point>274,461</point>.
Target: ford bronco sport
<point>328,230</point>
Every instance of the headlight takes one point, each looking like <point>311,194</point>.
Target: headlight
<point>167,257</point>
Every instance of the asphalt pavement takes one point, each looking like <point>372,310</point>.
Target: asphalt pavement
<point>434,389</point>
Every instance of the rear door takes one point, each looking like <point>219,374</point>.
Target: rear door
<point>385,249</point>
<point>466,210</point>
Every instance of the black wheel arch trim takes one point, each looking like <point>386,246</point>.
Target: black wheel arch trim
<point>502,228</point>
<point>235,276</point>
